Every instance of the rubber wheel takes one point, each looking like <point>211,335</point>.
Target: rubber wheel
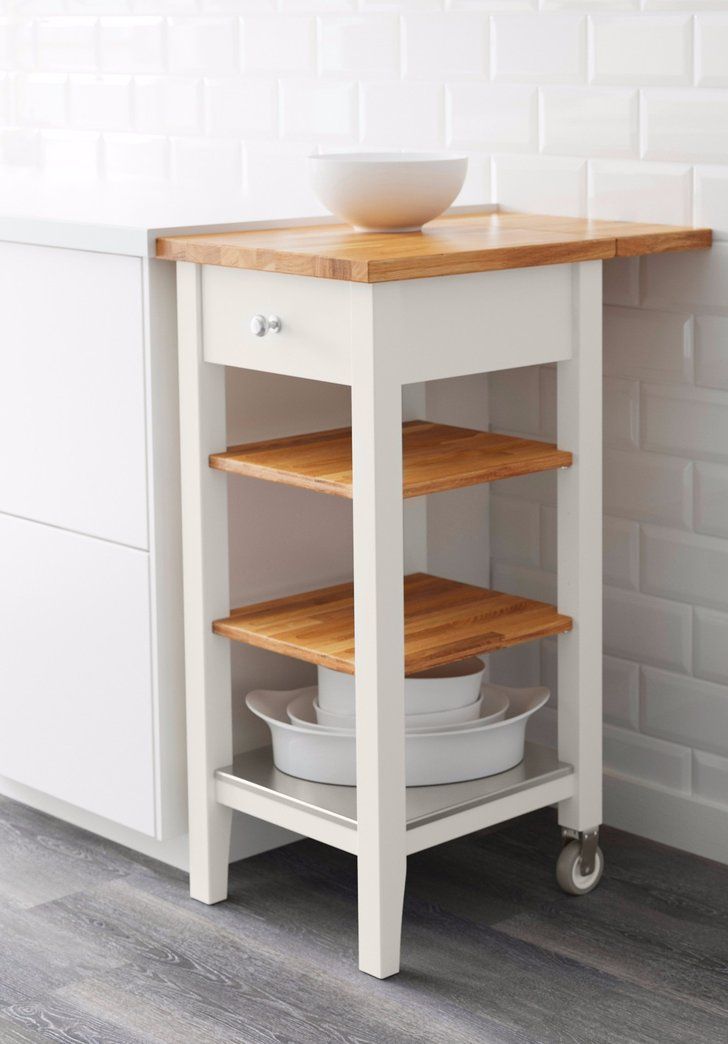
<point>568,870</point>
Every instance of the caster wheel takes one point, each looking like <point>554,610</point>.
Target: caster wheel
<point>568,870</point>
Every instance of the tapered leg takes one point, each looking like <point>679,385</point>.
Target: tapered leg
<point>206,595</point>
<point>580,553</point>
<point>379,633</point>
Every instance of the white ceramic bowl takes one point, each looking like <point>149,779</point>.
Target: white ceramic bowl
<point>387,191</point>
<point>449,755</point>
<point>456,716</point>
<point>304,710</point>
<point>440,689</point>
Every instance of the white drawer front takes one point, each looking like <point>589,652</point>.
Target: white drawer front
<point>72,391</point>
<point>76,715</point>
<point>314,341</point>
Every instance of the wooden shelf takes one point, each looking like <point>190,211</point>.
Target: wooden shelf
<point>435,457</point>
<point>444,621</point>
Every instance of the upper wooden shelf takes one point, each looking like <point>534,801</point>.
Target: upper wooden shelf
<point>435,457</point>
<point>444,621</point>
<point>451,245</point>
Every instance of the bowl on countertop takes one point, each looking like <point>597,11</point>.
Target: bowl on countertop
<point>440,689</point>
<point>387,191</point>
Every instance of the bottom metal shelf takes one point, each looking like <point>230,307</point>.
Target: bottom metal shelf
<point>254,785</point>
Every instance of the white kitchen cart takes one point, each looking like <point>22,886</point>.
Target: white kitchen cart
<point>474,293</point>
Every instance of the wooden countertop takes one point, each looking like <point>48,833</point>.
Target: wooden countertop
<point>449,246</point>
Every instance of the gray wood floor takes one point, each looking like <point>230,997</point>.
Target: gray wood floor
<point>100,946</point>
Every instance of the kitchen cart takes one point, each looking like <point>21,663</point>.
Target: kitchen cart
<point>474,293</point>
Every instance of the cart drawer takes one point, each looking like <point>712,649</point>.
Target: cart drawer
<point>315,336</point>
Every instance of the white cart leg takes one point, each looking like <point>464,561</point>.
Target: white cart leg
<point>580,555</point>
<point>206,595</point>
<point>379,629</point>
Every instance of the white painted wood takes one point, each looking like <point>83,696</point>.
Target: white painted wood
<point>311,823</point>
<point>75,681</point>
<point>379,637</point>
<point>448,326</point>
<point>72,406</point>
<point>206,595</point>
<point>165,545</point>
<point>449,827</point>
<point>579,513</point>
<point>314,341</point>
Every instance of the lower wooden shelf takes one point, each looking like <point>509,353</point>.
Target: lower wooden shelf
<point>444,621</point>
<point>252,784</point>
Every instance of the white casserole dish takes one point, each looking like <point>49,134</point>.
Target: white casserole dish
<point>440,689</point>
<point>304,710</point>
<point>449,755</point>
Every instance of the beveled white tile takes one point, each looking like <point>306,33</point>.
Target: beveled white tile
<point>685,125</point>
<point>402,115</point>
<point>514,531</point>
<point>278,45</point>
<point>649,630</point>
<point>689,422</point>
<point>687,710</point>
<point>131,45</point>
<point>621,281</point>
<point>711,643</point>
<point>525,581</point>
<point>685,566</point>
<point>621,692</point>
<point>66,44</point>
<point>690,280</point>
<point>240,107</point>
<point>278,171</point>
<point>540,487</point>
<point>641,51</point>
<point>515,400</point>
<point>495,117</point>
<point>323,110</point>
<point>539,50</point>
<point>41,99</point>
<point>711,500</point>
<point>711,351</point>
<point>541,184</point>
<point>448,45</point>
<point>711,198</point>
<point>647,758</point>
<point>135,158</point>
<point>621,413</point>
<point>710,777</point>
<point>648,345</point>
<point>632,191</point>
<point>589,121</point>
<point>621,553</point>
<point>71,154</point>
<point>100,102</point>
<point>203,45</point>
<point>360,45</point>
<point>167,104</point>
<point>210,164</point>
<point>711,47</point>
<point>648,487</point>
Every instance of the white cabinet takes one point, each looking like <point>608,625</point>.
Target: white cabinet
<point>75,670</point>
<point>72,391</point>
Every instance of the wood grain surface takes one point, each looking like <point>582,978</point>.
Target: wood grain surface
<point>448,246</point>
<point>493,952</point>
<point>435,457</point>
<point>444,621</point>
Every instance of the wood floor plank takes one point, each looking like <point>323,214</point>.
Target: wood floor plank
<point>493,952</point>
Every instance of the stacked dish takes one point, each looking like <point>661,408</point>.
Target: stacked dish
<point>456,727</point>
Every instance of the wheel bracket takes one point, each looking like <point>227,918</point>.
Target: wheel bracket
<point>589,841</point>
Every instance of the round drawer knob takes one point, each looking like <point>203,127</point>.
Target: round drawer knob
<point>260,326</point>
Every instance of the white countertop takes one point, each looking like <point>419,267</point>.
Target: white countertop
<point>112,219</point>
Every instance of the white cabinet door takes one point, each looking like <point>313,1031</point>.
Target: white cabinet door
<point>75,674</point>
<point>72,391</point>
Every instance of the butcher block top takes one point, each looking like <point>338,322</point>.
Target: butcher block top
<point>451,245</point>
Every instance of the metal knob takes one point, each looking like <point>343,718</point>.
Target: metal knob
<point>260,326</point>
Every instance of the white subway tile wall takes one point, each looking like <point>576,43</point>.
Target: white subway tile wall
<point>611,108</point>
